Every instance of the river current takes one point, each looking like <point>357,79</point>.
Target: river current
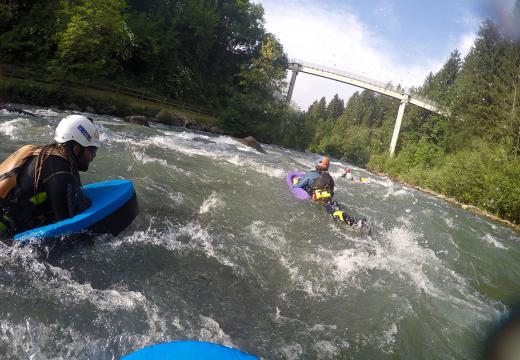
<point>222,252</point>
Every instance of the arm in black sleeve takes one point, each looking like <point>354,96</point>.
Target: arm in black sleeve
<point>58,188</point>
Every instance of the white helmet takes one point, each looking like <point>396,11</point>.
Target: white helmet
<point>78,128</point>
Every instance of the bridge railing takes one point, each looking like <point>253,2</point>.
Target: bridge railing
<point>386,86</point>
<point>337,71</point>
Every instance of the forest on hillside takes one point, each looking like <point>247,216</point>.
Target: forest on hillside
<point>217,54</point>
<point>473,155</point>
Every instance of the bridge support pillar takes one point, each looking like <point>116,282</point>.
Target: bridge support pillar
<point>294,68</point>
<point>397,127</point>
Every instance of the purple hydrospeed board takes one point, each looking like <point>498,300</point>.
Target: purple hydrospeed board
<point>297,192</point>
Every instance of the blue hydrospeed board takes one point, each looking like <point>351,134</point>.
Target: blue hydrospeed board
<point>107,198</point>
<point>188,350</point>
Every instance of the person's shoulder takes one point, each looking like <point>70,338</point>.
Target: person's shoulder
<point>56,163</point>
<point>56,159</point>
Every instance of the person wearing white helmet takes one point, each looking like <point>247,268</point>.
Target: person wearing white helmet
<point>42,184</point>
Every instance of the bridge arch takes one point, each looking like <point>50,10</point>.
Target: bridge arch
<point>363,82</point>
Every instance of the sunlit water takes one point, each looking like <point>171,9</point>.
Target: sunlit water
<point>222,252</point>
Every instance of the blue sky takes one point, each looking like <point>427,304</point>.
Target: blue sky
<point>398,41</point>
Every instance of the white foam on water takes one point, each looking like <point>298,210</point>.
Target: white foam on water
<point>402,256</point>
<point>326,350</point>
<point>227,140</point>
<point>315,283</point>
<point>31,340</point>
<point>212,203</point>
<point>199,238</point>
<point>177,237</point>
<point>182,143</point>
<point>46,112</point>
<point>11,127</point>
<point>448,221</point>
<point>405,220</point>
<point>177,198</point>
<point>271,238</point>
<point>292,351</point>
<point>211,331</point>
<point>173,144</point>
<point>385,182</point>
<point>387,342</point>
<point>145,159</point>
<point>271,171</point>
<point>392,191</point>
<point>166,239</point>
<point>53,282</point>
<point>491,240</point>
<point>323,327</point>
<point>267,236</point>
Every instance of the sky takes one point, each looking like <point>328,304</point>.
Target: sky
<point>397,41</point>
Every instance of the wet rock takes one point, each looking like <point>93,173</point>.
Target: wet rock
<point>216,130</point>
<point>251,141</point>
<point>17,110</point>
<point>90,109</point>
<point>111,109</point>
<point>72,107</point>
<point>171,118</point>
<point>137,119</point>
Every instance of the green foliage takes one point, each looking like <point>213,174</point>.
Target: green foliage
<point>473,155</point>
<point>27,32</point>
<point>94,38</point>
<point>217,53</point>
<point>259,108</point>
<point>335,108</point>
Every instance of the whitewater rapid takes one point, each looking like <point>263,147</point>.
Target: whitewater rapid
<point>222,252</point>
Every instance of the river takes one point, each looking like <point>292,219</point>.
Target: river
<point>222,252</point>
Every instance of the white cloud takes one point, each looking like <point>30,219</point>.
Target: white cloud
<point>465,43</point>
<point>337,39</point>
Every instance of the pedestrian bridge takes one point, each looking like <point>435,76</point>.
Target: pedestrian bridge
<point>298,66</point>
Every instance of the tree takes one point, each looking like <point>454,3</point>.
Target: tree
<point>94,38</point>
<point>439,87</point>
<point>261,97</point>
<point>27,32</point>
<point>335,108</point>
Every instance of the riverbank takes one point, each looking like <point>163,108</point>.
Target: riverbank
<point>468,207</point>
<point>66,97</point>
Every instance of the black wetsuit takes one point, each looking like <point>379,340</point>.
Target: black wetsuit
<point>63,196</point>
<point>334,208</point>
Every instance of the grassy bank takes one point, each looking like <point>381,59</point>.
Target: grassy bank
<point>480,177</point>
<point>85,99</point>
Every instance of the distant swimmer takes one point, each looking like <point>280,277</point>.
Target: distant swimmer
<point>41,185</point>
<point>347,174</point>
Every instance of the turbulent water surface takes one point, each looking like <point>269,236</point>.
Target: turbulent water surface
<point>222,252</point>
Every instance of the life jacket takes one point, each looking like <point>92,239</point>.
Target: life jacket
<point>323,187</point>
<point>323,182</point>
<point>9,170</point>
